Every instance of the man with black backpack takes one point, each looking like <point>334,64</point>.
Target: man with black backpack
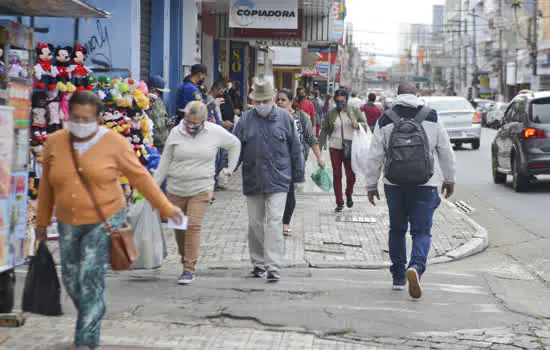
<point>406,142</point>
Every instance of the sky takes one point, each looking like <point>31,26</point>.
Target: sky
<point>377,21</point>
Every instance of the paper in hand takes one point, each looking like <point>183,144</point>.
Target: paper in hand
<point>173,225</point>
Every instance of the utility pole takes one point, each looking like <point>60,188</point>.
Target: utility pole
<point>534,46</point>
<point>474,54</point>
<point>465,73</point>
<point>501,51</point>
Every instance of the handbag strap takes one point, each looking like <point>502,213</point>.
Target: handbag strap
<point>342,128</point>
<point>86,184</point>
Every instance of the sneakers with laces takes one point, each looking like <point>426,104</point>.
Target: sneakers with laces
<point>398,285</point>
<point>273,276</point>
<point>258,272</point>
<point>187,277</point>
<point>415,290</point>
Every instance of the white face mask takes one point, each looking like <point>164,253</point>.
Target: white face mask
<point>82,130</point>
<point>264,109</point>
<point>229,86</point>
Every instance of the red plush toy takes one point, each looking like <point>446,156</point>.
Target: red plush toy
<point>44,72</point>
<point>78,71</point>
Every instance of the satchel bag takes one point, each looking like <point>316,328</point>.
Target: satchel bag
<point>346,144</point>
<point>123,248</point>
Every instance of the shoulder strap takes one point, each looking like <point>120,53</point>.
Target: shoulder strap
<point>87,186</point>
<point>422,114</point>
<point>393,116</point>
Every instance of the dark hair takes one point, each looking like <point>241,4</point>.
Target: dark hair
<point>341,93</point>
<point>327,103</point>
<point>287,93</point>
<point>372,97</point>
<point>300,89</point>
<point>354,94</point>
<point>407,87</point>
<point>198,68</point>
<point>220,84</point>
<point>86,98</point>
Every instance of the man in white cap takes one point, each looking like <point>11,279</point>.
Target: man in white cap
<point>272,160</point>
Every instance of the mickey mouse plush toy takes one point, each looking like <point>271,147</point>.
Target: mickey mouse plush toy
<point>44,72</point>
<point>78,71</point>
<point>62,63</point>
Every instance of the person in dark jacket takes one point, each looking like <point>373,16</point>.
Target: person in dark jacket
<point>192,87</point>
<point>272,160</point>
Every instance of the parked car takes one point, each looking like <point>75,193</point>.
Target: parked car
<point>483,107</point>
<point>496,114</point>
<point>462,122</point>
<point>521,147</point>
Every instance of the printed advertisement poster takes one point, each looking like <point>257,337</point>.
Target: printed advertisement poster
<point>20,99</point>
<point>18,216</point>
<point>6,150</point>
<point>4,233</point>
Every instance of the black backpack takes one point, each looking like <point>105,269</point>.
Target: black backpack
<point>409,161</point>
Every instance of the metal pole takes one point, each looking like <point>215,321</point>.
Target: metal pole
<point>501,51</point>
<point>465,72</point>
<point>534,46</point>
<point>474,54</point>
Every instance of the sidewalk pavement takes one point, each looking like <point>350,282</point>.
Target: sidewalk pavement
<point>356,238</point>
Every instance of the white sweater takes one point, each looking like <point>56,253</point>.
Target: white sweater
<point>188,162</point>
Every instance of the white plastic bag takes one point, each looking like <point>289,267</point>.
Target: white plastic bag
<point>148,235</point>
<point>359,149</point>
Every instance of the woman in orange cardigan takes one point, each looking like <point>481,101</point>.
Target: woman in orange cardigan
<point>84,244</point>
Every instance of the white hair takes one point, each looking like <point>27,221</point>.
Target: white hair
<point>196,108</point>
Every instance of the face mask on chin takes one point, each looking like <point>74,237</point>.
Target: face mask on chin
<point>264,109</point>
<point>82,130</point>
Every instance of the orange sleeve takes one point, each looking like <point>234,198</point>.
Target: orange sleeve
<point>140,178</point>
<point>46,195</point>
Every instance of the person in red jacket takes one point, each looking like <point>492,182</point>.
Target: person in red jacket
<point>305,105</point>
<point>371,111</point>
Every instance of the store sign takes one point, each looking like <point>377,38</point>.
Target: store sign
<point>236,68</point>
<point>264,14</point>
<point>279,43</point>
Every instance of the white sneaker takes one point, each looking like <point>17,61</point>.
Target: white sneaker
<point>415,290</point>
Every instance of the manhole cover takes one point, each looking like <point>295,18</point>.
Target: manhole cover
<point>358,219</point>
<point>464,207</point>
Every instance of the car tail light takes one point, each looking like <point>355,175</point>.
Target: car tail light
<point>538,166</point>
<point>532,133</point>
<point>477,119</point>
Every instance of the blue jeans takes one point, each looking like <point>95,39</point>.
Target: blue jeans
<point>415,205</point>
<point>84,259</point>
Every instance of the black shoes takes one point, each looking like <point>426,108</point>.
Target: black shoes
<point>273,276</point>
<point>349,203</point>
<point>258,272</point>
<point>339,209</point>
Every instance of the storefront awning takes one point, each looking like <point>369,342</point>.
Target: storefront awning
<point>50,8</point>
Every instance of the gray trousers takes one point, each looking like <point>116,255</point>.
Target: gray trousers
<point>265,230</point>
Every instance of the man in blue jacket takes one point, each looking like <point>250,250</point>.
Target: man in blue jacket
<point>272,160</point>
<point>190,90</point>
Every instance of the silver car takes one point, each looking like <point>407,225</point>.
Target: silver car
<point>496,114</point>
<point>461,120</point>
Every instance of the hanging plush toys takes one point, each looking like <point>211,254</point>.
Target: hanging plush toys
<point>78,71</point>
<point>44,72</point>
<point>62,64</point>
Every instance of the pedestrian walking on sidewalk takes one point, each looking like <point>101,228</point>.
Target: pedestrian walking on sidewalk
<point>84,244</point>
<point>214,101</point>
<point>337,132</point>
<point>305,105</point>
<point>285,100</point>
<point>318,103</point>
<point>406,140</point>
<point>372,113</point>
<point>188,165</point>
<point>157,112</point>
<point>272,161</point>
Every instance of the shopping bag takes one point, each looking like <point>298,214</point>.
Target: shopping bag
<point>359,149</point>
<point>42,292</point>
<point>322,178</point>
<point>148,235</point>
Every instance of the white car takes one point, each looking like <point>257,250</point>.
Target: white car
<point>496,114</point>
<point>461,120</point>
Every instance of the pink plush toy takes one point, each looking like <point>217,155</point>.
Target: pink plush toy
<point>141,86</point>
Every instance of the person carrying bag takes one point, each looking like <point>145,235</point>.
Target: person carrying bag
<point>81,171</point>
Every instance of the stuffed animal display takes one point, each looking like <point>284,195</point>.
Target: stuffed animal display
<point>62,71</point>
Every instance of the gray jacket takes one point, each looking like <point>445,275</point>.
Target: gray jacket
<point>271,152</point>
